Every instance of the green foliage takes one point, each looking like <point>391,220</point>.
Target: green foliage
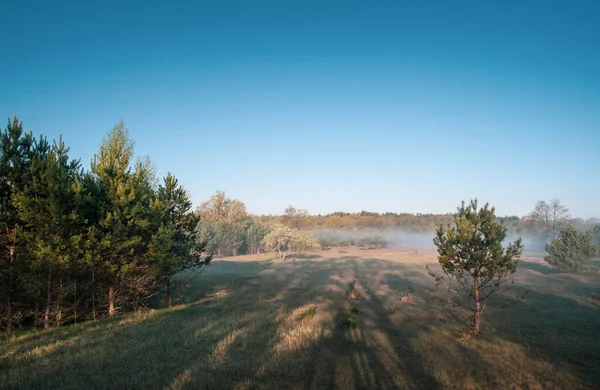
<point>571,250</point>
<point>475,263</point>
<point>48,209</point>
<point>351,293</point>
<point>15,159</point>
<point>350,317</point>
<point>221,208</point>
<point>226,228</point>
<point>173,247</point>
<point>596,233</point>
<point>75,244</point>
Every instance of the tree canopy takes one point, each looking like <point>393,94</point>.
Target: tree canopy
<point>571,250</point>
<point>284,240</point>
<point>475,263</point>
<point>79,244</point>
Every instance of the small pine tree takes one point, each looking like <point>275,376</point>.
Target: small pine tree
<point>571,250</point>
<point>476,265</point>
<point>174,243</point>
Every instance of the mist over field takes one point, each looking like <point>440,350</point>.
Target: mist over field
<point>406,239</point>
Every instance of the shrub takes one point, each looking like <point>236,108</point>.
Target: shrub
<point>350,319</point>
<point>308,314</point>
<point>351,293</point>
<point>572,250</point>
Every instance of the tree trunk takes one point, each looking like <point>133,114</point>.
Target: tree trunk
<point>93,295</point>
<point>477,313</point>
<point>284,256</point>
<point>280,256</point>
<point>75,306</point>
<point>234,251</point>
<point>59,303</point>
<point>36,312</point>
<point>8,329</point>
<point>11,284</point>
<point>48,302</point>
<point>219,251</point>
<point>169,291</point>
<point>111,300</point>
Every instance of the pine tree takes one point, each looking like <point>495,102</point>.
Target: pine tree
<point>475,263</point>
<point>117,244</point>
<point>175,240</point>
<point>47,207</point>
<point>571,250</point>
<point>76,242</point>
<point>15,156</point>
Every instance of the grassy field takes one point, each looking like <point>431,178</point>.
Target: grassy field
<point>253,322</point>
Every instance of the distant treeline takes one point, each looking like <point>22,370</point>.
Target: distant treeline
<point>376,230</point>
<point>229,230</point>
<point>300,219</point>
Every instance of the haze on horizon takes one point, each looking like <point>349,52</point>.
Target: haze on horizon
<point>328,106</point>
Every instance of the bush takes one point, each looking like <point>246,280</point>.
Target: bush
<point>350,319</point>
<point>308,314</point>
<point>572,250</point>
<point>351,294</point>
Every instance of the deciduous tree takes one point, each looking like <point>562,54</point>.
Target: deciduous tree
<point>284,240</point>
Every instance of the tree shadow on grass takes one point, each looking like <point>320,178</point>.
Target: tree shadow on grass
<point>240,329</point>
<point>558,329</point>
<point>542,268</point>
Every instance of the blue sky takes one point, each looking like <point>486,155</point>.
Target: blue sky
<point>326,105</point>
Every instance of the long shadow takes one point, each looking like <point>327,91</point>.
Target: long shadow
<point>225,335</point>
<point>404,357</point>
<point>537,267</point>
<point>555,329</point>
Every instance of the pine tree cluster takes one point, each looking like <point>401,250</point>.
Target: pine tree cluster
<point>80,244</point>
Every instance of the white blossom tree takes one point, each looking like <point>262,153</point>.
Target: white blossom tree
<point>285,240</point>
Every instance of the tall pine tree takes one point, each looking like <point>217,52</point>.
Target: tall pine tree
<point>47,207</point>
<point>15,157</point>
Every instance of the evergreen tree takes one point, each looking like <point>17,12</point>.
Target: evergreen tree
<point>47,207</point>
<point>174,243</point>
<point>476,265</point>
<point>76,242</point>
<point>571,250</point>
<point>15,157</point>
<point>120,242</point>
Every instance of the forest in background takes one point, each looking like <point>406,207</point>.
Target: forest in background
<point>230,230</point>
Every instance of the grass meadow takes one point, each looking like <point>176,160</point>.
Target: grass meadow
<point>252,322</point>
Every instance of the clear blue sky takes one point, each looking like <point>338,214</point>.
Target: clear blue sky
<point>326,105</point>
